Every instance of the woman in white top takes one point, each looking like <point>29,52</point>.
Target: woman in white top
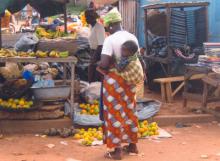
<point>96,40</point>
<point>118,107</point>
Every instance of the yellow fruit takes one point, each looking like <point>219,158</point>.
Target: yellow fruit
<point>100,137</point>
<point>26,106</point>
<point>145,122</point>
<point>145,128</point>
<point>84,112</point>
<point>154,124</point>
<point>14,106</point>
<point>84,142</point>
<point>92,111</point>
<point>10,100</point>
<point>91,139</point>
<point>156,133</point>
<point>30,103</point>
<point>89,143</point>
<point>154,129</point>
<point>151,133</point>
<point>145,134</point>
<point>77,136</point>
<point>100,128</point>
<point>21,102</point>
<point>96,102</point>
<point>141,130</point>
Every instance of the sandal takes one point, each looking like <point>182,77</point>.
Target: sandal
<point>127,149</point>
<point>113,155</point>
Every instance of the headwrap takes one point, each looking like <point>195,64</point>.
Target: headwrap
<point>112,16</point>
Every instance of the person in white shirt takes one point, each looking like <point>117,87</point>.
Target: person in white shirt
<point>118,106</point>
<point>96,40</point>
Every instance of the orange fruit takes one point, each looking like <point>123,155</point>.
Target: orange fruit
<point>84,112</point>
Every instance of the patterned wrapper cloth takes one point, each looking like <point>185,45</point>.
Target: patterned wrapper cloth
<point>120,117</point>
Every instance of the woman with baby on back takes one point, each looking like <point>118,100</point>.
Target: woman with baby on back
<point>122,70</point>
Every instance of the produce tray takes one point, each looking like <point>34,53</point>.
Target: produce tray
<point>32,108</point>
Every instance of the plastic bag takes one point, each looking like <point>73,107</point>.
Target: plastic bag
<point>145,110</point>
<point>87,120</point>
<point>92,92</point>
<point>26,42</point>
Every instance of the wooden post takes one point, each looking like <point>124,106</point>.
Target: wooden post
<point>145,30</point>
<point>0,33</point>
<point>64,73</point>
<point>169,92</point>
<point>204,96</point>
<point>65,18</point>
<point>72,89</point>
<point>163,92</point>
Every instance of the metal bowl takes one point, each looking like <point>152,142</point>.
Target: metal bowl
<point>51,93</point>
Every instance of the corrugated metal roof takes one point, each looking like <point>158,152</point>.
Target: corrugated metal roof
<point>175,4</point>
<point>105,2</point>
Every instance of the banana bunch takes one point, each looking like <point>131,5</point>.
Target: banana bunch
<point>64,54</point>
<point>41,54</point>
<point>41,32</point>
<point>7,53</point>
<point>49,34</point>
<point>54,54</point>
<point>23,54</point>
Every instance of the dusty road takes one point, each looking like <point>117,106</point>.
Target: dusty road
<point>187,144</point>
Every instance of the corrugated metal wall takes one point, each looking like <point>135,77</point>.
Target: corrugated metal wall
<point>128,9</point>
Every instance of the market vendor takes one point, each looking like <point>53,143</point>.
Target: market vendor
<point>96,40</point>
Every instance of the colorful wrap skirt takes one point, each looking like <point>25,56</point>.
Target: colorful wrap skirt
<point>120,117</point>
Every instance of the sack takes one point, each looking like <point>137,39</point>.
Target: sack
<point>10,71</point>
<point>92,92</point>
<point>26,42</point>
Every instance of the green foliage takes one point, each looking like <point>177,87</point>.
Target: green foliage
<point>75,10</point>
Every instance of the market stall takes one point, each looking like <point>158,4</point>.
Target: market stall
<point>50,8</point>
<point>208,65</point>
<point>174,34</point>
<point>71,61</point>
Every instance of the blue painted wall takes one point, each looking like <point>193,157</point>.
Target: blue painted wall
<point>214,19</point>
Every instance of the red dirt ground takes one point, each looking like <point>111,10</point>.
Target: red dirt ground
<point>187,144</point>
<point>176,107</point>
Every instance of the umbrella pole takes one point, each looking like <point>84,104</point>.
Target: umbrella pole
<point>65,18</point>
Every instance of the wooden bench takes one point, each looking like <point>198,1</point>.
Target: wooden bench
<point>167,93</point>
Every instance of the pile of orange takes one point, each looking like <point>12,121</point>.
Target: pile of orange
<point>145,129</point>
<point>90,109</point>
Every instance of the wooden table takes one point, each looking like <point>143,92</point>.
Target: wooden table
<point>65,61</point>
<point>211,92</point>
<point>191,70</point>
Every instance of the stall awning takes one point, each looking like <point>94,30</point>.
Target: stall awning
<point>44,7</point>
